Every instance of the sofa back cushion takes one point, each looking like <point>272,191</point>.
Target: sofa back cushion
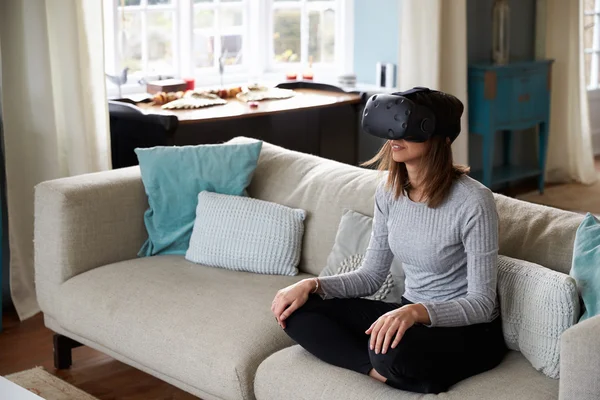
<point>536,233</point>
<point>324,188</point>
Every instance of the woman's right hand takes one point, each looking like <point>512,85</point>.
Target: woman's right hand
<point>289,299</point>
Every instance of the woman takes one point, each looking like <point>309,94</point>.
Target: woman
<point>443,226</point>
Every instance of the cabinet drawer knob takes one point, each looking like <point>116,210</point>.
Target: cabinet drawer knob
<point>524,97</point>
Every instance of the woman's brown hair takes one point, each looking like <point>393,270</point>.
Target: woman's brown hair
<point>439,170</point>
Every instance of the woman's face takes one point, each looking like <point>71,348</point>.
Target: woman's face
<point>408,152</point>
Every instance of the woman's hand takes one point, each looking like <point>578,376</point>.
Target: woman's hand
<point>393,324</point>
<point>289,299</point>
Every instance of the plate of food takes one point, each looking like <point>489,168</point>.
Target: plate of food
<point>194,100</point>
<point>257,92</point>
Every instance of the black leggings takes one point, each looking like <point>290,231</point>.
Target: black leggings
<point>427,360</point>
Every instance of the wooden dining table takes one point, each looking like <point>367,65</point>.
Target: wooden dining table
<point>319,122</point>
<point>303,99</point>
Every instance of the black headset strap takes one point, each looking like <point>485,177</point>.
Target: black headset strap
<point>413,90</point>
<point>453,129</point>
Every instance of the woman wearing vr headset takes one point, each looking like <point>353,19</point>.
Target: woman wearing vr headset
<point>443,226</point>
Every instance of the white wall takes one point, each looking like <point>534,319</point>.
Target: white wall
<point>594,100</point>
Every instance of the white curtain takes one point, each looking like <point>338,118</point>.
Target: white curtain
<point>570,153</point>
<point>433,53</point>
<point>55,112</point>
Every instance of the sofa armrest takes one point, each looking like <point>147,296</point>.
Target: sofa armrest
<point>580,361</point>
<point>84,222</point>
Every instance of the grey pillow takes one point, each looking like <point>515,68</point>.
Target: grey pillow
<point>537,305</point>
<point>246,234</point>
<point>347,254</point>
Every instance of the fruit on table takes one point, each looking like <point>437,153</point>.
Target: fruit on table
<point>161,98</point>
<point>234,91</point>
<point>228,93</point>
<point>222,93</point>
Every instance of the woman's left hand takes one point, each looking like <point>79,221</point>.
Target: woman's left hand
<point>393,325</point>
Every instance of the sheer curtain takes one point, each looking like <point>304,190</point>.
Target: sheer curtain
<point>55,112</point>
<point>433,53</point>
<point>570,153</point>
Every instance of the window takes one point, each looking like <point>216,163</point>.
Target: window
<point>303,30</point>
<point>591,42</point>
<point>250,37</point>
<point>218,29</point>
<point>145,38</point>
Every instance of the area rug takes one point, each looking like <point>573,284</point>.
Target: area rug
<point>571,196</point>
<point>47,386</point>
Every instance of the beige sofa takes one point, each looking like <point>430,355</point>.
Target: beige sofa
<point>210,331</point>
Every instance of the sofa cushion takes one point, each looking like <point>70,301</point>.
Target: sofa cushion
<point>191,322</point>
<point>348,253</point>
<point>536,233</point>
<point>244,234</point>
<point>586,265</point>
<point>322,187</point>
<point>174,175</point>
<point>293,373</point>
<point>537,306</point>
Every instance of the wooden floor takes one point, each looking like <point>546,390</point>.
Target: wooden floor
<point>530,184</point>
<point>29,344</point>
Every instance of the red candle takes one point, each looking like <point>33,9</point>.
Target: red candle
<point>189,83</point>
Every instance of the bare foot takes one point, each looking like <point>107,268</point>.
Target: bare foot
<point>377,375</point>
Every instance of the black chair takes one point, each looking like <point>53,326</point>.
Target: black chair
<point>310,85</point>
<point>131,127</point>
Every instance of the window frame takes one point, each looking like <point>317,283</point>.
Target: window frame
<point>594,85</point>
<point>257,29</point>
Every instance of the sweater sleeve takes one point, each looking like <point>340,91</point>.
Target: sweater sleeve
<point>480,240</point>
<point>369,277</point>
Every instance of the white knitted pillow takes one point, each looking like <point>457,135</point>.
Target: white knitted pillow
<point>348,252</point>
<point>245,234</point>
<point>537,305</point>
<point>353,263</point>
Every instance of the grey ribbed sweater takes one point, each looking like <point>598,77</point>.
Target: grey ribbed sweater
<point>449,254</point>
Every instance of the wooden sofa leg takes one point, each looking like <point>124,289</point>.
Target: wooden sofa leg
<point>62,351</point>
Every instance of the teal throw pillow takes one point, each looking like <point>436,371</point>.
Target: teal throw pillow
<point>586,265</point>
<point>173,177</point>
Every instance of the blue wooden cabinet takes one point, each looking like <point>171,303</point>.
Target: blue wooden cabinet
<point>507,98</point>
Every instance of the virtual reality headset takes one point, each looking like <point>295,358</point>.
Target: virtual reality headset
<point>394,117</point>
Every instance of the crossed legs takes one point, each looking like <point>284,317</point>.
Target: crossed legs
<point>427,360</point>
